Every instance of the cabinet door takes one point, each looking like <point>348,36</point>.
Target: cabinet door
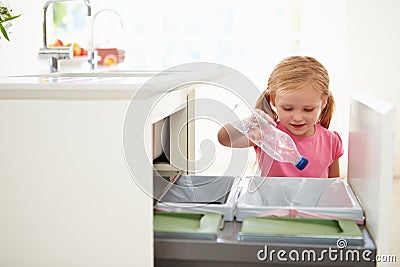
<point>66,195</point>
<point>370,169</point>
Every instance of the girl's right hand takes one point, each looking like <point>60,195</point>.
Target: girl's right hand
<point>265,116</point>
<point>261,122</point>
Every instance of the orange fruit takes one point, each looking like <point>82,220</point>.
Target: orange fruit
<point>77,49</point>
<point>56,43</point>
<point>109,61</point>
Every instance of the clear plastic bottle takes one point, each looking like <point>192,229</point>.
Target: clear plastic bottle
<point>260,129</point>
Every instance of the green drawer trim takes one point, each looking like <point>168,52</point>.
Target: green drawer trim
<point>290,226</point>
<point>176,222</point>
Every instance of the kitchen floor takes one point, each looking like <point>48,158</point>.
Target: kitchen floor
<point>395,229</point>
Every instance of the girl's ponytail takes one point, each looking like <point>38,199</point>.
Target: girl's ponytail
<point>326,114</point>
<point>264,103</point>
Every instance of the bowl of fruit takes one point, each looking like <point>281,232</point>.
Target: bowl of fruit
<point>80,54</point>
<point>77,49</point>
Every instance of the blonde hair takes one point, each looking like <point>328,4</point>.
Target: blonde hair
<point>292,73</point>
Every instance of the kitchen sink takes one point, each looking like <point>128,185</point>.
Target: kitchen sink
<point>101,73</point>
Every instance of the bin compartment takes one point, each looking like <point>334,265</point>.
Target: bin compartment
<point>298,197</point>
<point>201,194</point>
<point>315,231</point>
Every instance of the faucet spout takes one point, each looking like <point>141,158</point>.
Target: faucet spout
<point>55,54</point>
<point>88,6</point>
<point>92,53</point>
<point>46,6</point>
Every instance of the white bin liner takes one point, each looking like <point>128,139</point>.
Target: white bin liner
<point>199,189</point>
<point>215,194</point>
<point>331,197</point>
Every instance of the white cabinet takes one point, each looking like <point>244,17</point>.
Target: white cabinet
<point>67,197</point>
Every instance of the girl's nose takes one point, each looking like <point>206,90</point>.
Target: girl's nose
<point>297,117</point>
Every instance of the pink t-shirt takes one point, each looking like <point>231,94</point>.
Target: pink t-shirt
<point>321,149</point>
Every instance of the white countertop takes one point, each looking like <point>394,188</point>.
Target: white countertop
<point>72,87</point>
<point>100,85</point>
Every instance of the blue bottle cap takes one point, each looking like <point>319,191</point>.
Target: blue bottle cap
<point>302,163</point>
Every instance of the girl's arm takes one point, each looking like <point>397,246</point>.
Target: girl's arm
<point>334,169</point>
<point>231,137</point>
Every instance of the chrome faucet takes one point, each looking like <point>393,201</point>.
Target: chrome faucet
<point>92,51</point>
<point>54,54</point>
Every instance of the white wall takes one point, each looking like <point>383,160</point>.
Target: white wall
<point>373,54</point>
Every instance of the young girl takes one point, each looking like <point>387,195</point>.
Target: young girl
<point>299,101</point>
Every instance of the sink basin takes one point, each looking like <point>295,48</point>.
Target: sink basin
<point>99,76</point>
<point>101,73</point>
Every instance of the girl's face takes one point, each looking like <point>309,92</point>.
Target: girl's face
<point>299,110</point>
